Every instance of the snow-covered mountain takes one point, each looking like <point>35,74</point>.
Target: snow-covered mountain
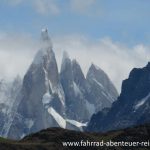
<point>48,98</point>
<point>132,106</point>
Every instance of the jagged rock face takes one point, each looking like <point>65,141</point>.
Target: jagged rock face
<point>78,76</point>
<point>41,89</point>
<point>31,112</point>
<point>85,96</point>
<point>72,80</point>
<point>132,106</point>
<point>48,98</point>
<point>137,85</point>
<point>102,92</point>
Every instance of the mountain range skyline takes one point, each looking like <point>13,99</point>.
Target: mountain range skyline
<point>46,97</point>
<point>103,32</point>
<point>103,52</point>
<point>74,70</point>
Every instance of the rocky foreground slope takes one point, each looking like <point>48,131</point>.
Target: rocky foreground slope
<point>52,138</point>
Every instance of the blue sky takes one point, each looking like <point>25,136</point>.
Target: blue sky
<point>113,34</point>
<point>123,20</point>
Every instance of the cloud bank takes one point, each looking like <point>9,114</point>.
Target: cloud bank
<point>16,52</point>
<point>114,58</point>
<point>117,60</point>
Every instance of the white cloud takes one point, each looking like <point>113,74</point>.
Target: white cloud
<point>115,59</point>
<point>83,6</point>
<point>54,7</point>
<point>46,7</point>
<point>17,52</point>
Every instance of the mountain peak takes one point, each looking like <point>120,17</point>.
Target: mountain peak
<point>95,66</point>
<point>46,50</point>
<point>93,70</point>
<point>46,40</point>
<point>65,60</point>
<point>65,55</point>
<point>74,62</point>
<point>148,65</point>
<point>44,34</point>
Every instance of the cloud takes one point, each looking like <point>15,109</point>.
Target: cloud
<point>46,7</point>
<point>51,7</point>
<point>43,7</point>
<point>16,54</point>
<point>117,60</point>
<point>83,6</point>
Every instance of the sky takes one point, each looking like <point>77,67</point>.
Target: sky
<point>113,34</point>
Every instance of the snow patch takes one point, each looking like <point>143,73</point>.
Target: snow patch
<point>76,123</point>
<point>46,98</point>
<point>54,88</point>
<point>29,123</point>
<point>58,118</point>
<point>76,89</point>
<point>4,110</point>
<point>98,83</point>
<point>105,95</point>
<point>90,107</point>
<point>59,90</point>
<point>61,121</point>
<point>108,96</point>
<point>141,102</point>
<point>46,80</point>
<point>23,135</point>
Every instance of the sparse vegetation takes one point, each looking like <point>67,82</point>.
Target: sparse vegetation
<point>52,138</point>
